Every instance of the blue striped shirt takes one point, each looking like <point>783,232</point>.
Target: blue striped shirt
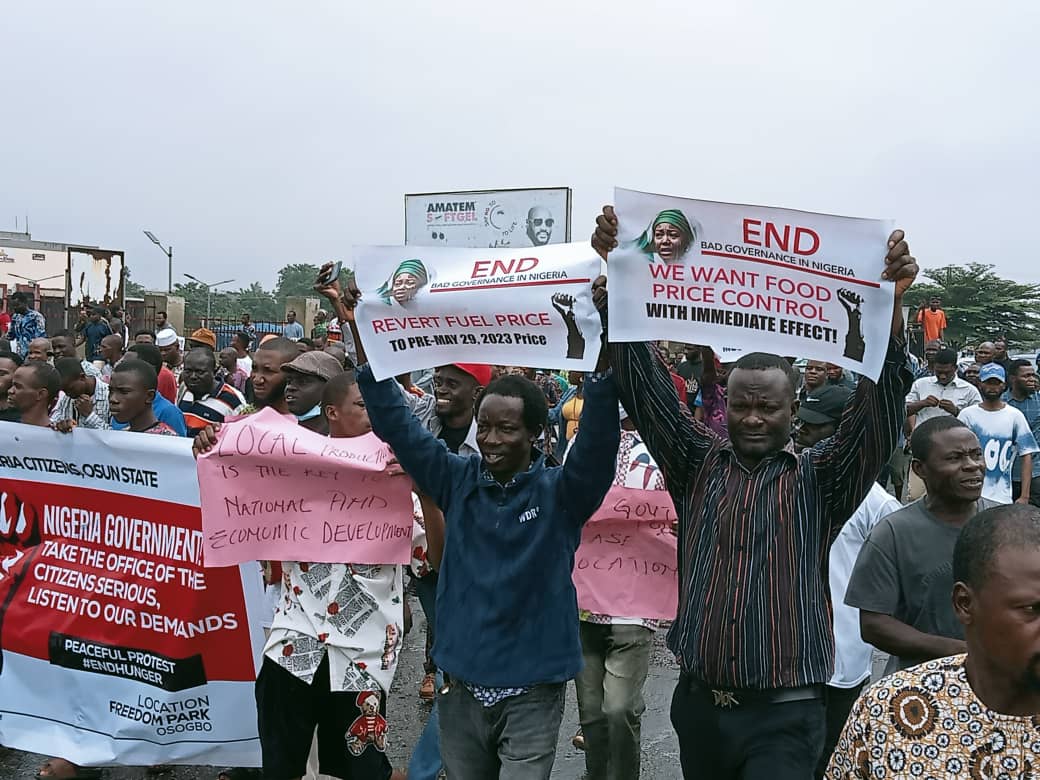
<point>754,605</point>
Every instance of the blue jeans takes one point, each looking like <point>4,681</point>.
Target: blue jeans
<point>426,590</point>
<point>512,740</point>
<point>426,758</point>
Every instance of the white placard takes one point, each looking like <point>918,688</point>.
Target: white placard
<point>752,278</point>
<point>429,306</point>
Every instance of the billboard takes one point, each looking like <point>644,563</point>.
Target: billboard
<point>488,218</point>
<point>32,265</point>
<point>95,276</point>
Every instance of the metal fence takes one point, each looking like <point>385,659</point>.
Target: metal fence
<point>226,328</point>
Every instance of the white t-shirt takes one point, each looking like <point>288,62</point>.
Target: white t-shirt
<point>1003,435</point>
<point>245,364</point>
<point>852,656</point>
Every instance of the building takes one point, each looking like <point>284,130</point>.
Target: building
<point>35,267</point>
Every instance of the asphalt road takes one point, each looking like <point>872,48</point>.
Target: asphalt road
<point>407,715</point>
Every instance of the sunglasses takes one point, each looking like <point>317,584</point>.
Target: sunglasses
<point>537,222</point>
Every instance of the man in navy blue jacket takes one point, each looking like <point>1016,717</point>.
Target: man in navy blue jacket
<point>507,628</point>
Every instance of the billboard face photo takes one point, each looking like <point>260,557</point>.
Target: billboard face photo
<point>489,218</point>
<point>95,276</point>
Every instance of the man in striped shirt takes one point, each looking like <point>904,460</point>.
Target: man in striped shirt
<point>83,399</point>
<point>206,400</point>
<point>753,635</point>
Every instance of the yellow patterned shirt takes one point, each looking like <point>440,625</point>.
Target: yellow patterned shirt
<point>926,722</point>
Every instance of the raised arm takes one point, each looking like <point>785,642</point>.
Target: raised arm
<point>425,459</point>
<point>344,308</point>
<point>676,441</point>
<point>589,469</point>
<point>848,463</point>
<point>708,374</point>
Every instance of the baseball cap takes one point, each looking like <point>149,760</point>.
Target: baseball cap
<point>824,406</point>
<point>319,364</point>
<point>992,371</point>
<point>479,371</point>
<point>204,336</point>
<point>166,337</point>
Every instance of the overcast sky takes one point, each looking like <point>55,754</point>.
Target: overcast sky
<point>254,134</point>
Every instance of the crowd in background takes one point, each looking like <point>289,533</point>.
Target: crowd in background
<point>822,518</point>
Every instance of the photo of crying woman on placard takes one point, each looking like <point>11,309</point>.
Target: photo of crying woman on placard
<point>668,237</point>
<point>404,283</point>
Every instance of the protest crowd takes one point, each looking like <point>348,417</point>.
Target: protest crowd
<point>822,520</point>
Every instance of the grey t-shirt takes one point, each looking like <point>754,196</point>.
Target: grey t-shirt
<point>905,570</point>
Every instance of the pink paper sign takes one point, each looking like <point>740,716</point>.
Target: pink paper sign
<point>272,490</point>
<point>626,565</point>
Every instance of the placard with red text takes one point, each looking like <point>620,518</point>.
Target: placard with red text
<point>752,278</point>
<point>273,490</point>
<point>626,564</point>
<point>116,645</point>
<point>428,306</point>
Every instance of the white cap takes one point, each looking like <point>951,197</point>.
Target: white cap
<point>166,337</point>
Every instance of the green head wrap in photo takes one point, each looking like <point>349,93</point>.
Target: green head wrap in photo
<point>645,242</point>
<point>414,267</point>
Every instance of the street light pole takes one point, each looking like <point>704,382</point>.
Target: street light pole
<point>209,291</point>
<point>169,259</point>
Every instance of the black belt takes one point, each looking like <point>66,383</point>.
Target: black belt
<point>726,698</point>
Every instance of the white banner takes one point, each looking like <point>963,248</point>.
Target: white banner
<point>751,278</point>
<point>488,218</point>
<point>429,306</point>
<point>116,646</point>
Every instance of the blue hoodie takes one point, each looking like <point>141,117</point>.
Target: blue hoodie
<point>507,613</point>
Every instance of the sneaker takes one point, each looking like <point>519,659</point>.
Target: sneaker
<point>428,688</point>
<point>579,740</point>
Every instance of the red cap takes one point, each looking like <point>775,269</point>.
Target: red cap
<point>479,371</point>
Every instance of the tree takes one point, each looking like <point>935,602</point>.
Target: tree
<point>980,305</point>
<point>194,295</point>
<point>261,305</point>
<point>296,279</point>
<point>132,289</point>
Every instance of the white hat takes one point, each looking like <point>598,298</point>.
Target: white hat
<point>166,337</point>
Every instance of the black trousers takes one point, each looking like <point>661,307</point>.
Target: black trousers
<point>1034,491</point>
<point>755,741</point>
<point>839,703</point>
